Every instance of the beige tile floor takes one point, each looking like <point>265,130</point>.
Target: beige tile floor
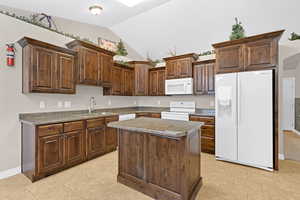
<point>96,180</point>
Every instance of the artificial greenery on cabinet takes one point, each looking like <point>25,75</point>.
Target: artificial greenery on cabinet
<point>238,30</point>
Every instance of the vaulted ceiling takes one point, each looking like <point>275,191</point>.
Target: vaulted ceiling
<point>114,12</point>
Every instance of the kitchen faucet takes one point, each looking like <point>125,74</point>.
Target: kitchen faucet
<point>92,104</point>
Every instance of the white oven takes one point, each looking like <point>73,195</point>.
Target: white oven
<point>179,86</point>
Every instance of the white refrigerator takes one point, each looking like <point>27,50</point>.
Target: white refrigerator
<point>244,118</point>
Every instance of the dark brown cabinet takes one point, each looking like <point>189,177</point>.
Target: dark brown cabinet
<point>207,133</point>
<point>48,149</point>
<point>47,68</point>
<point>122,81</point>
<point>75,143</point>
<point>141,77</point>
<point>95,137</point>
<point>94,64</point>
<point>246,54</point>
<point>51,153</point>
<point>204,77</point>
<point>128,81</point>
<point>157,81</point>
<point>116,88</point>
<point>111,135</point>
<point>180,66</point>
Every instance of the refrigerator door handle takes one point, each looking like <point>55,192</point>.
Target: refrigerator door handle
<point>239,94</point>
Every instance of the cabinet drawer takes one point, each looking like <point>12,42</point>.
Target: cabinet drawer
<point>111,119</point>
<point>92,123</point>
<point>208,131</point>
<point>50,129</point>
<point>208,145</point>
<point>206,120</point>
<point>73,126</point>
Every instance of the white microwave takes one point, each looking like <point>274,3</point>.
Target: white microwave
<point>179,86</point>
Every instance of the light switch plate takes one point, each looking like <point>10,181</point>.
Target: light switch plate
<point>109,102</point>
<point>158,102</point>
<point>68,104</point>
<point>42,104</point>
<point>212,103</point>
<point>59,104</point>
<point>134,102</point>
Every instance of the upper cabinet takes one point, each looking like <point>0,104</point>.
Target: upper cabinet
<point>180,66</point>
<point>94,64</point>
<point>246,54</point>
<point>122,78</point>
<point>157,77</point>
<point>141,77</point>
<point>204,77</point>
<point>47,68</point>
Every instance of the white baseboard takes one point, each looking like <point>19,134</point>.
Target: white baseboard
<point>10,172</point>
<point>281,156</point>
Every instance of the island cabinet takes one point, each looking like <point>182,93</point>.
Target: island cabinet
<point>247,54</point>
<point>204,77</point>
<point>161,166</point>
<point>207,133</point>
<point>141,77</point>
<point>94,64</point>
<point>180,66</point>
<point>147,114</point>
<point>122,81</point>
<point>47,68</point>
<point>157,77</point>
<point>48,149</point>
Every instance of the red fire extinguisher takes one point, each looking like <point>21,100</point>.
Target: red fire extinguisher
<point>10,55</point>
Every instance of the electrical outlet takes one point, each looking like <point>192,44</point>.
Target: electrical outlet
<point>68,104</point>
<point>59,104</point>
<point>134,102</point>
<point>158,102</point>
<point>212,103</point>
<point>109,102</point>
<point>42,104</point>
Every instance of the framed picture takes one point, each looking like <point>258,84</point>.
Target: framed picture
<point>107,44</point>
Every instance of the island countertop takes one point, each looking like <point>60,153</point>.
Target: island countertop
<point>162,127</point>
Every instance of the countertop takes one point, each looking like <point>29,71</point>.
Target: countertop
<point>67,116</point>
<point>155,126</point>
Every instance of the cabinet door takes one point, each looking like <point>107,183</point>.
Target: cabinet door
<point>161,82</point>
<point>171,69</point>
<point>106,67</point>
<point>127,82</point>
<point>89,69</point>
<point>74,147</point>
<point>261,54</point>
<point>200,77</point>
<point>111,135</point>
<point>43,70</point>
<point>50,153</point>
<point>184,68</point>
<point>141,81</point>
<point>116,81</point>
<point>210,76</point>
<point>153,83</point>
<point>95,141</point>
<point>230,59</point>
<point>66,74</point>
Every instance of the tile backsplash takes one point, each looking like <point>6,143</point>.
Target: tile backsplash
<point>297,113</point>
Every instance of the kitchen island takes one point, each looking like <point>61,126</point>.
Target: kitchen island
<point>160,158</point>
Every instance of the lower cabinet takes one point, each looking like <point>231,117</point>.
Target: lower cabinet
<point>146,114</point>
<point>48,149</point>
<point>50,153</point>
<point>207,133</point>
<point>95,137</point>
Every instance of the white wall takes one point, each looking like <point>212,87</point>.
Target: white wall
<point>193,25</point>
<point>13,102</point>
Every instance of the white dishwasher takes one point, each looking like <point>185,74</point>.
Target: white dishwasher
<point>126,117</point>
